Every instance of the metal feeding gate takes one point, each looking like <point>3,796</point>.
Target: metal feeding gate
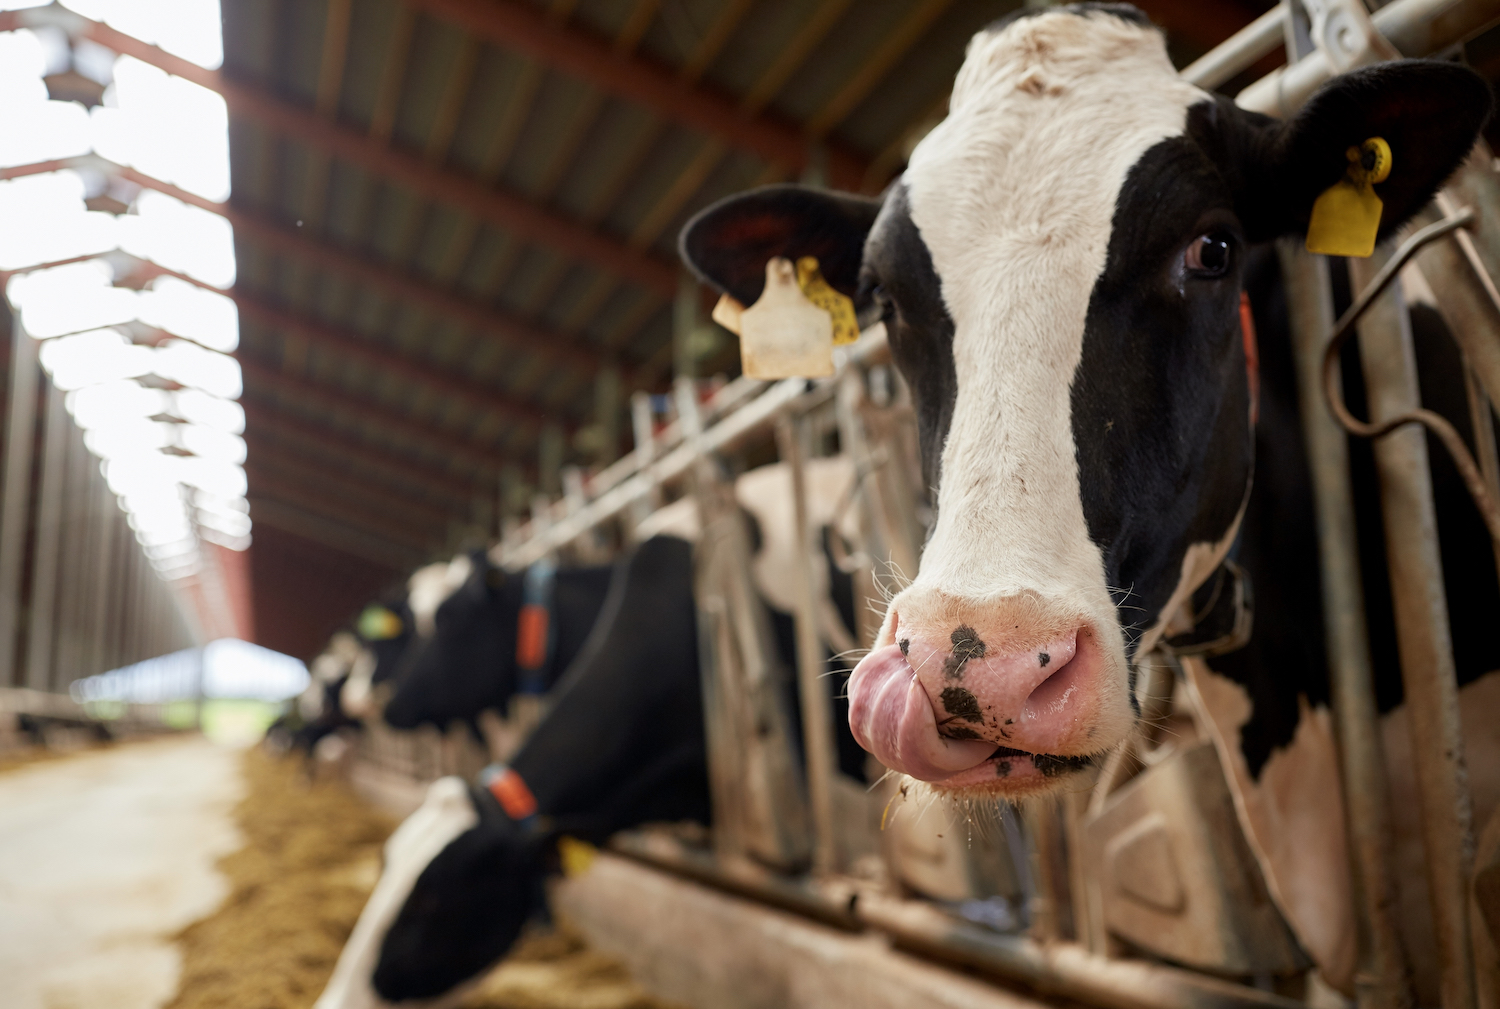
<point>1145,890</point>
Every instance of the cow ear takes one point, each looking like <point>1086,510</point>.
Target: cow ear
<point>728,244</point>
<point>1429,112</point>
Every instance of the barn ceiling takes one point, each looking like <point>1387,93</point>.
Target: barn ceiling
<point>455,222</point>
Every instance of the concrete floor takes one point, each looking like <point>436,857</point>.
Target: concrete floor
<point>103,857</point>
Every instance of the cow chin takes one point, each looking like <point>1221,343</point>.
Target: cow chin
<point>1008,698</point>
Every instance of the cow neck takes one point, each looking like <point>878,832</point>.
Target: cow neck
<point>536,638</point>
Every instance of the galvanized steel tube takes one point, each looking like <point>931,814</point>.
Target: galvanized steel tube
<point>1422,632</point>
<point>1415,27</point>
<point>1381,981</point>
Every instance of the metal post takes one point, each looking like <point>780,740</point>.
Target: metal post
<point>104,556</point>
<point>1471,315</point>
<point>1482,419</point>
<point>15,498</point>
<point>49,520</point>
<point>817,713</point>
<point>1422,632</point>
<point>1380,980</point>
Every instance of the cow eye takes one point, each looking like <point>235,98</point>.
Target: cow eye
<point>1210,255</point>
<point>882,302</point>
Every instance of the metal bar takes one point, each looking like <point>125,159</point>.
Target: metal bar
<point>1472,317</point>
<point>1239,52</point>
<point>15,497</point>
<point>819,755</point>
<point>1380,981</point>
<point>47,552</point>
<point>1482,420</point>
<point>1414,27</point>
<point>1422,632</point>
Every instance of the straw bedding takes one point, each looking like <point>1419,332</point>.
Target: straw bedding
<point>311,857</point>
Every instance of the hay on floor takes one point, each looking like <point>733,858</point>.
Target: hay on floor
<point>311,858</point>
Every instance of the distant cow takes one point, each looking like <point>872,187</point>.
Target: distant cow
<point>1060,271</point>
<point>622,744</point>
<point>470,662</point>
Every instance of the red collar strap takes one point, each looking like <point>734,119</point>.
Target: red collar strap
<point>1252,355</point>
<point>510,790</point>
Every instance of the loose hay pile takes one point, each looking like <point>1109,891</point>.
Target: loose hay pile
<point>311,858</point>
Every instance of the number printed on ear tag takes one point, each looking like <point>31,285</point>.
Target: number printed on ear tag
<point>1346,216</point>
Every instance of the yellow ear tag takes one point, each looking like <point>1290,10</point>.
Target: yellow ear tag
<point>784,335</point>
<point>1346,216</point>
<point>576,856</point>
<point>838,306</point>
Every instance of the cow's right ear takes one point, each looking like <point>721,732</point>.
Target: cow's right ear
<point>728,244</point>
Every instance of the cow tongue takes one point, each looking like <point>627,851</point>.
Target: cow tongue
<point>891,716</point>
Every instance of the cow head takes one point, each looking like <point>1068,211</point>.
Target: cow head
<point>469,662</point>
<point>1058,271</point>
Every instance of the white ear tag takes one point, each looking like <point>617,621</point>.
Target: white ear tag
<point>784,335</point>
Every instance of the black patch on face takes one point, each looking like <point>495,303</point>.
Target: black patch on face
<point>905,645</point>
<point>959,732</point>
<point>1042,659</point>
<point>1052,765</point>
<point>966,646</point>
<point>962,704</point>
<point>1160,399</point>
<point>1002,769</point>
<point>899,278</point>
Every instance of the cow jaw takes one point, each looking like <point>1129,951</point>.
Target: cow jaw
<point>1014,197</point>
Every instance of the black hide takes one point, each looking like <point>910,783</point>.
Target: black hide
<point>469,664</point>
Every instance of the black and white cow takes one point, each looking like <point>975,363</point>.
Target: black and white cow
<point>469,662</point>
<point>621,744</point>
<point>1060,271</point>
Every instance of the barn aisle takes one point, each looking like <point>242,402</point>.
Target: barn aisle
<point>104,856</point>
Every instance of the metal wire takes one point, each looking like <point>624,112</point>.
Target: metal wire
<point>1489,510</point>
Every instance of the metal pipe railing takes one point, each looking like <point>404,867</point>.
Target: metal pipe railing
<point>1414,27</point>
<point>1423,636</point>
<point>1381,981</point>
<point>1239,52</point>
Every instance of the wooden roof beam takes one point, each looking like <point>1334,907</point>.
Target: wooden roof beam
<point>519,27</point>
<point>456,189</point>
<point>265,377</point>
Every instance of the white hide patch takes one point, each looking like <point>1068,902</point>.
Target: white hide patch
<point>1014,195</point>
<point>1293,819</point>
<point>429,587</point>
<point>1479,711</point>
<point>445,814</point>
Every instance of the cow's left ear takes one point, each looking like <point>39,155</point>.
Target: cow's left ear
<point>728,244</point>
<point>1429,112</point>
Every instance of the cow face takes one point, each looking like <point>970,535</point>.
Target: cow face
<point>469,662</point>
<point>1058,271</point>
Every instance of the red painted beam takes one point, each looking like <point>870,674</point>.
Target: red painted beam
<point>524,28</point>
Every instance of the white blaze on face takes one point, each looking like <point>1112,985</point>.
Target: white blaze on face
<point>431,586</point>
<point>1014,195</point>
<point>446,813</point>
